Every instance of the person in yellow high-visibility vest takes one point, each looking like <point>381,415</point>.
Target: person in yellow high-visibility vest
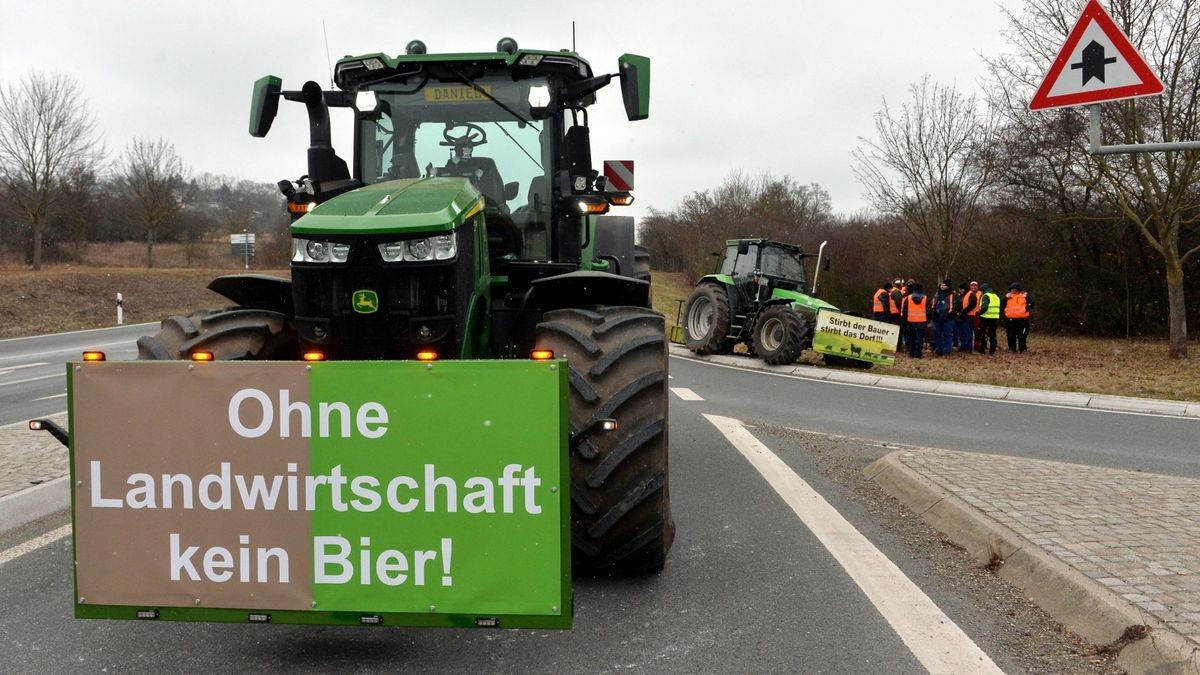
<point>989,315</point>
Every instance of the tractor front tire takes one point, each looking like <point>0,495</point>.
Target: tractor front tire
<point>779,335</point>
<point>233,334</point>
<point>706,320</point>
<point>620,503</point>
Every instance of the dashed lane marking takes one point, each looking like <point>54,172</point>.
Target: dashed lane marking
<point>34,544</point>
<point>933,638</point>
<point>686,394</point>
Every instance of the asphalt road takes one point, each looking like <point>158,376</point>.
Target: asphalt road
<point>33,380</point>
<point>748,586</point>
<point>1156,443</point>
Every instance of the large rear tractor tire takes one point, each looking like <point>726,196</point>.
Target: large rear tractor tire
<point>231,334</point>
<point>620,504</point>
<point>779,335</point>
<point>706,320</point>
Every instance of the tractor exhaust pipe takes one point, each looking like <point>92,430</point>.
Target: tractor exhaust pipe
<point>817,272</point>
<point>323,162</point>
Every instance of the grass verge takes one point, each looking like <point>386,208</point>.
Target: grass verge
<point>74,298</point>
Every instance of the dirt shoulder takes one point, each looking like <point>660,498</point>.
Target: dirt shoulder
<point>68,298</point>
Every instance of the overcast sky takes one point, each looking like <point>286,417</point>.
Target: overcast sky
<point>786,87</point>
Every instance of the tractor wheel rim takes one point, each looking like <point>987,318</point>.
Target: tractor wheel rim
<point>700,318</point>
<point>772,334</point>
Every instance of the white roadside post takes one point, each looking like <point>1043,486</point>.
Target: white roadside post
<point>120,310</point>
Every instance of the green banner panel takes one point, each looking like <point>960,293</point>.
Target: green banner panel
<point>402,493</point>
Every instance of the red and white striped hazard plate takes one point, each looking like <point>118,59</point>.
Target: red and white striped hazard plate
<point>619,174</point>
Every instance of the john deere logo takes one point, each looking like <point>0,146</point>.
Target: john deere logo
<point>365,302</point>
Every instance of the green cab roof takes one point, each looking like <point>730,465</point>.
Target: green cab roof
<point>407,206</point>
<point>530,58</point>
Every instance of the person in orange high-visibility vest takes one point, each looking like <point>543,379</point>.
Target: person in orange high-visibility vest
<point>881,302</point>
<point>915,314</point>
<point>976,319</point>
<point>1016,307</point>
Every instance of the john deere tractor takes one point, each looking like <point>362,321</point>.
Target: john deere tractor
<point>758,298</point>
<point>468,224</point>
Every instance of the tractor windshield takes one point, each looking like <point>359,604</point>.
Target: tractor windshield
<point>452,129</point>
<point>782,264</point>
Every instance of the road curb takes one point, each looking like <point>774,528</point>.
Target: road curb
<point>1074,599</point>
<point>21,508</point>
<point>1068,399</point>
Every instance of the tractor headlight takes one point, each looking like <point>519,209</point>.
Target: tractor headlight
<point>391,251</point>
<point>442,247</point>
<point>418,249</point>
<point>316,251</point>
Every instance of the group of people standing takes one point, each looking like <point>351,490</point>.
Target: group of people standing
<point>963,318</point>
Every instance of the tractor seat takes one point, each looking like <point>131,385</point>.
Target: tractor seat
<point>483,174</point>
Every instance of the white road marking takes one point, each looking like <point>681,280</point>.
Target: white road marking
<point>66,350</point>
<point>933,638</point>
<point>33,379</point>
<point>78,332</point>
<point>34,544</point>
<point>8,369</point>
<point>686,394</point>
<point>47,398</point>
<point>984,399</point>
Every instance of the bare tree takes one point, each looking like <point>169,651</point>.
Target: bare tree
<point>929,167</point>
<point>46,133</point>
<point>153,177</point>
<point>1153,191</point>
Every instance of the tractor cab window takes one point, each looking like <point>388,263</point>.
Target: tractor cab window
<point>727,261</point>
<point>782,264</point>
<point>484,134</point>
<point>746,263</point>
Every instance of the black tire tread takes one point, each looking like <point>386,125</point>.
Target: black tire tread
<point>716,341</point>
<point>794,330</point>
<point>232,334</point>
<point>620,500</point>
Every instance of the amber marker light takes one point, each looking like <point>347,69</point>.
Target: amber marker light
<point>202,356</point>
<point>542,354</point>
<point>427,355</point>
<point>314,356</point>
<point>93,356</point>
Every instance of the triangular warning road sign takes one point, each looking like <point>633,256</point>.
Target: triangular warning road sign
<point>1097,63</point>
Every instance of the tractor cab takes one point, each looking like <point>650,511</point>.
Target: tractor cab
<point>759,266</point>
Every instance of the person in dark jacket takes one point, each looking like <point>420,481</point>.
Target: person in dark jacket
<point>989,315</point>
<point>943,310</point>
<point>964,318</point>
<point>915,313</point>
<point>897,300</point>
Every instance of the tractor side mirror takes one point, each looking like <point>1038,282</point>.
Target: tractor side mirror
<point>264,103</point>
<point>743,248</point>
<point>635,85</point>
<point>828,262</point>
<point>510,190</point>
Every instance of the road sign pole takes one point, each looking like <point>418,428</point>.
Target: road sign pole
<point>1096,148</point>
<point>246,247</point>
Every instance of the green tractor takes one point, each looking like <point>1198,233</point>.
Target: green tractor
<point>469,225</point>
<point>758,298</point>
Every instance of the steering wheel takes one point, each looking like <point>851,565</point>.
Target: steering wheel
<point>473,136</point>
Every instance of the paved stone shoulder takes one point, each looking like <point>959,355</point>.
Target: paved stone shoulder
<point>30,458</point>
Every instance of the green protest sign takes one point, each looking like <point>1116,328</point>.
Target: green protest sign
<point>854,337</point>
<point>401,493</point>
